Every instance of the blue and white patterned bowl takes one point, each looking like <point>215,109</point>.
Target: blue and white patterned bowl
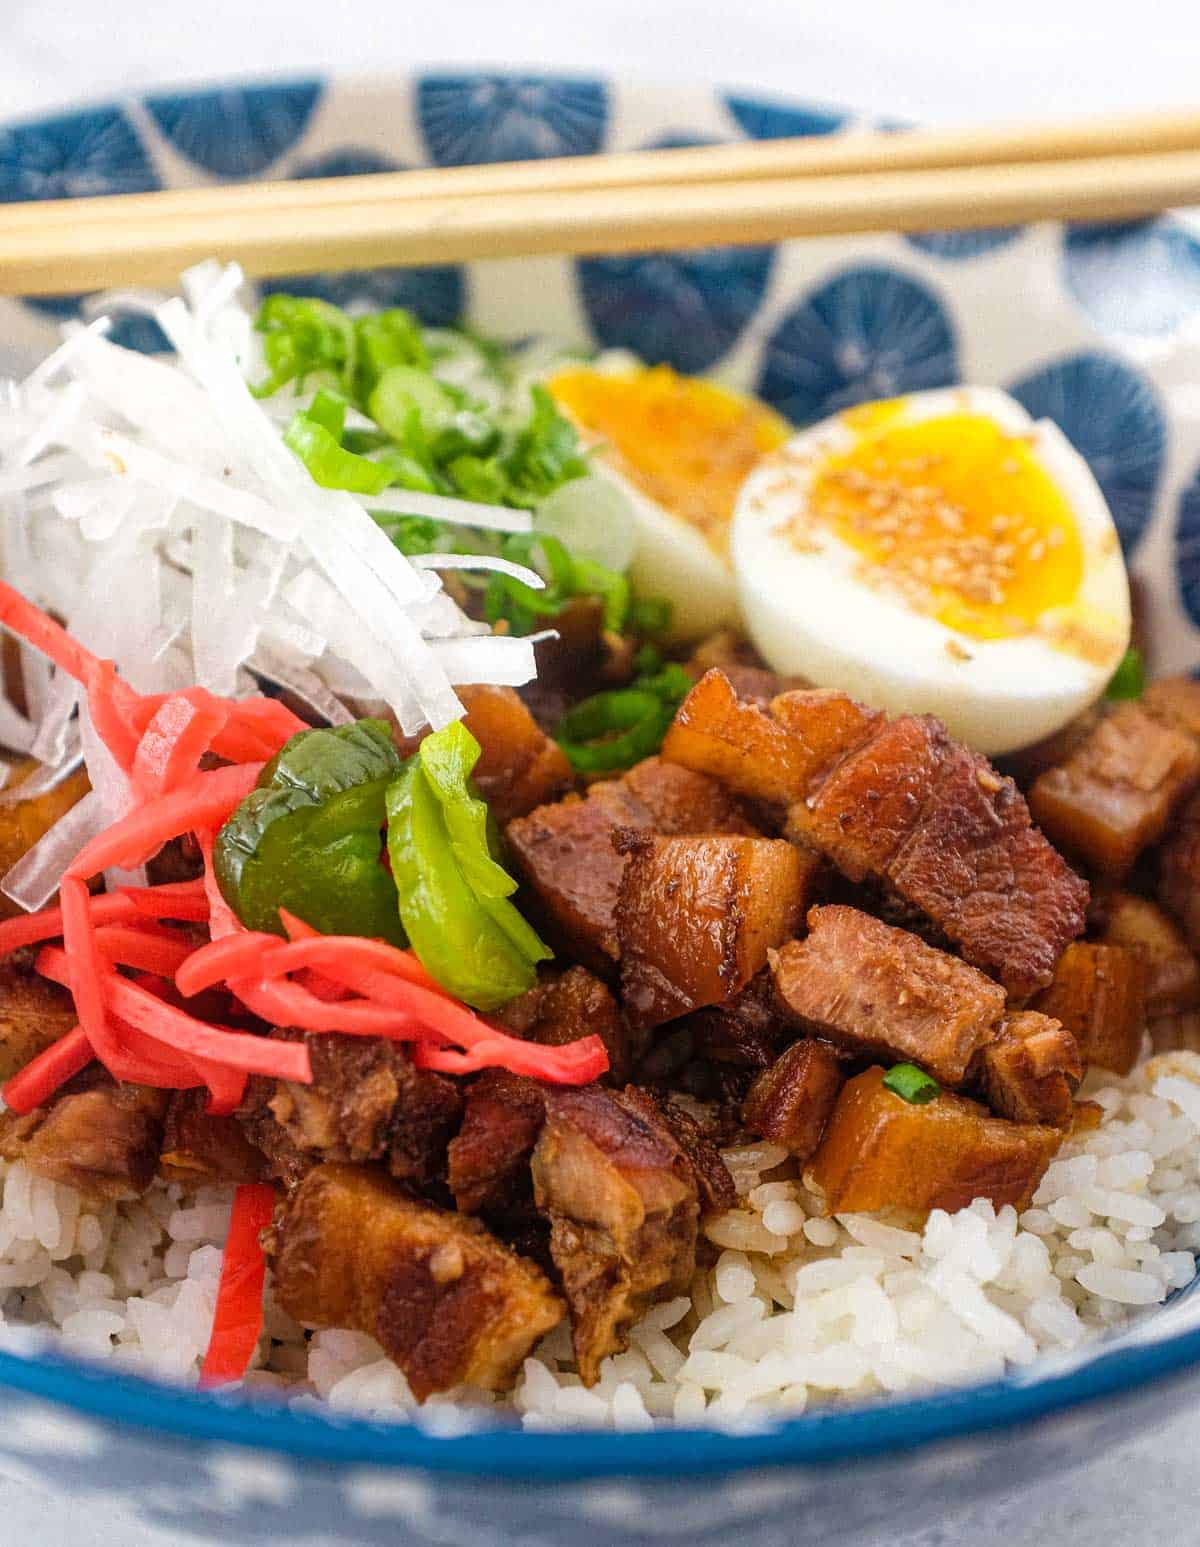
<point>1099,328</point>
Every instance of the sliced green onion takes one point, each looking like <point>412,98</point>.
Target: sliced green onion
<point>329,463</point>
<point>650,616</point>
<point>1129,679</point>
<point>911,1084</point>
<point>614,730</point>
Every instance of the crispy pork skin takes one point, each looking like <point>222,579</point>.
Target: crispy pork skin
<point>623,1204</point>
<point>94,1135</point>
<point>880,1151</point>
<point>875,990</point>
<point>1030,1072</point>
<point>1099,995</point>
<point>441,1296</point>
<point>697,916</point>
<point>791,1102</point>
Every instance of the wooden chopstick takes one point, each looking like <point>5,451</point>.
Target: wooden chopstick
<point>305,232</point>
<point>741,161</point>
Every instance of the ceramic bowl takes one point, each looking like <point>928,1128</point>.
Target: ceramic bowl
<point>1097,328</point>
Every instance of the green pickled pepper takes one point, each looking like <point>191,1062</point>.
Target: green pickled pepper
<point>309,837</point>
<point>453,894</point>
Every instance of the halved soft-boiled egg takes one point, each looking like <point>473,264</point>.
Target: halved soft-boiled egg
<point>939,553</point>
<point>681,449</point>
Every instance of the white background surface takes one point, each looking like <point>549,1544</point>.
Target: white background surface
<point>920,59</point>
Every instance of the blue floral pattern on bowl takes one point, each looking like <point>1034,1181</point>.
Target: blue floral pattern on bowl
<point>467,119</point>
<point>1111,415</point>
<point>1139,278</point>
<point>815,328</point>
<point>237,131</point>
<point>687,309</point>
<point>435,292</point>
<point>870,332</point>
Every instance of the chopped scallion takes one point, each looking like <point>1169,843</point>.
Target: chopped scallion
<point>911,1084</point>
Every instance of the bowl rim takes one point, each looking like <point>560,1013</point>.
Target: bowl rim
<point>500,1448</point>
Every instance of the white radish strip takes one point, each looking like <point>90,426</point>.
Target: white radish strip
<point>497,658</point>
<point>54,426</point>
<point>302,684</point>
<point>223,499</point>
<point>490,561</point>
<point>73,345</point>
<point>48,471</point>
<point>16,732</point>
<point>442,507</point>
<point>36,876</point>
<point>44,779</point>
<point>129,302</point>
<point>50,743</point>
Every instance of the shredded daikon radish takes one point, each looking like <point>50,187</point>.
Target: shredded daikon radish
<point>150,502</point>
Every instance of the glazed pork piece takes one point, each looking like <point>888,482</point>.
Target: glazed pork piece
<point>1172,971</point>
<point>696,917</point>
<point>566,856</point>
<point>99,1137</point>
<point>746,1031</point>
<point>1115,793</point>
<point>367,1102</point>
<point>1179,871</point>
<point>441,1296</point>
<point>623,1204</point>
<point>1031,1070</point>
<point>198,1148</point>
<point>880,1151</point>
<point>875,990</point>
<point>34,1013</point>
<point>1099,995</point>
<point>899,803</point>
<point>519,766</point>
<point>563,1006</point>
<point>791,1102</point>
<point>488,1159</point>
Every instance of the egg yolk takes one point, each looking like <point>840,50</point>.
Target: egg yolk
<point>955,514</point>
<point>686,444</point>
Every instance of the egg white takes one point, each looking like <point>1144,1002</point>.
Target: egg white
<point>810,614</point>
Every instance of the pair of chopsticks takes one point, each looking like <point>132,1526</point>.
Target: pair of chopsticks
<point>747,192</point>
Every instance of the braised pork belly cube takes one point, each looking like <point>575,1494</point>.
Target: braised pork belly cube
<point>882,1152</point>
<point>101,1138</point>
<point>714,1184</point>
<point>367,1102</point>
<point>1114,795</point>
<point>199,1148</point>
<point>936,823</point>
<point>519,766</point>
<point>715,733</point>
<point>564,1006</point>
<point>1030,1072</point>
<point>679,801</point>
<point>878,991</point>
<point>565,856</point>
<point>1172,979</point>
<point>488,1159</point>
<point>1179,871</point>
<point>1099,995</point>
<point>697,916</point>
<point>746,1031</point>
<point>34,1014</point>
<point>623,1204</point>
<point>791,1102</point>
<point>439,1294</point>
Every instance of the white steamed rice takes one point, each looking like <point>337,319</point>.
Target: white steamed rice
<point>795,1310</point>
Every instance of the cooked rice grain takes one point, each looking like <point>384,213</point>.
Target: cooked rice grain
<point>791,1309</point>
